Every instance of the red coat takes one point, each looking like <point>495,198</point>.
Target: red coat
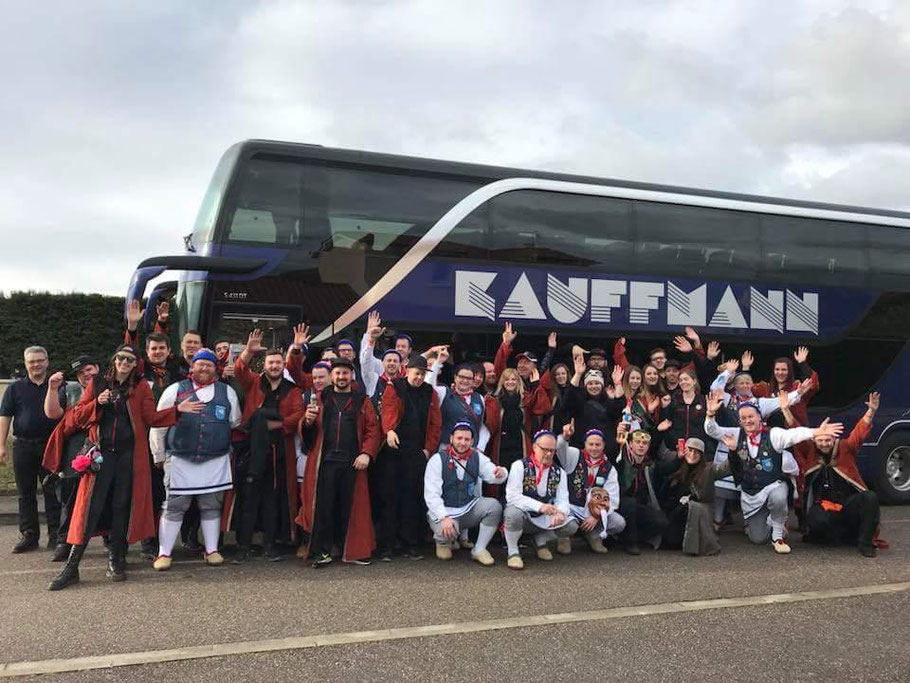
<point>294,366</point>
<point>393,411</point>
<point>843,458</point>
<point>56,444</point>
<point>800,410</point>
<point>143,415</point>
<point>360,540</point>
<point>291,408</point>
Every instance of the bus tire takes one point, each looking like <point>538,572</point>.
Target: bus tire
<point>893,481</point>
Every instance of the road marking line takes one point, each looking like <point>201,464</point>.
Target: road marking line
<point>52,666</point>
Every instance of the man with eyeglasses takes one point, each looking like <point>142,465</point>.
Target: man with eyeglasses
<point>537,501</point>
<point>23,407</point>
<point>459,402</point>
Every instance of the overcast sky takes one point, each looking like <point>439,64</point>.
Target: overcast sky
<point>114,114</point>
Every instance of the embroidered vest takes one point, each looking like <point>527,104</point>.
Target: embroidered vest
<point>529,483</point>
<point>205,435</point>
<point>766,468</point>
<point>457,492</point>
<point>578,481</point>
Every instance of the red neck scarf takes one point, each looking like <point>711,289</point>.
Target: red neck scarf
<point>592,464</point>
<point>462,395</point>
<point>755,439</point>
<point>197,385</point>
<point>454,455</point>
<point>539,468</point>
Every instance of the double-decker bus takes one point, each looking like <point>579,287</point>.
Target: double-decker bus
<point>449,251</point>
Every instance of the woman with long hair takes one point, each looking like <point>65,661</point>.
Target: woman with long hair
<point>512,414</point>
<point>115,490</point>
<point>653,382</point>
<point>686,413</point>
<point>556,383</point>
<point>784,379</point>
<point>643,403</point>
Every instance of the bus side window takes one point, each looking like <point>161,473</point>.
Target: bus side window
<point>889,268</point>
<point>811,250</point>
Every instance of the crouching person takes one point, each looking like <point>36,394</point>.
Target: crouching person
<point>195,454</point>
<point>451,478</point>
<point>537,501</point>
<point>589,474</point>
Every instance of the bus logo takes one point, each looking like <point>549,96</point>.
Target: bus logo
<point>570,300</point>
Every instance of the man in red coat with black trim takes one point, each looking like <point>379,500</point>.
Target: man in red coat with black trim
<point>341,435</point>
<point>272,409</point>
<point>412,421</point>
<point>839,507</point>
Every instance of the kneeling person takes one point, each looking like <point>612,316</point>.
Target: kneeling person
<point>537,500</point>
<point>589,472</point>
<point>449,486</point>
<point>196,456</point>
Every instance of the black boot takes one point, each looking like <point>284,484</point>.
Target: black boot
<point>61,552</point>
<point>70,572</point>
<point>116,562</point>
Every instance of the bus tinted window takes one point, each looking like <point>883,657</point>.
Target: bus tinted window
<point>889,266</point>
<point>557,228</point>
<point>695,241</point>
<point>812,250</point>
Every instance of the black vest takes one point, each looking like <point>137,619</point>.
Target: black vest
<point>529,483</point>
<point>578,481</point>
<point>458,493</point>
<point>766,468</point>
<point>412,429</point>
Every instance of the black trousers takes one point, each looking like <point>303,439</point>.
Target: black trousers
<point>855,524</point>
<point>401,489</point>
<point>27,455</point>
<point>112,497</point>
<point>676,527</point>
<point>642,521</point>
<point>264,500</point>
<point>334,496</point>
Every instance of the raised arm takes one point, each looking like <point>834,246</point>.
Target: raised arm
<point>505,349</point>
<point>242,371</point>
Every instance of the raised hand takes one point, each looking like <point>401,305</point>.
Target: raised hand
<point>682,344</point>
<point>804,387</point>
<point>713,350</point>
<point>189,406</point>
<point>579,362</point>
<point>301,335</point>
<point>104,397</point>
<point>873,402</point>
<point>732,366</point>
<point>551,340</point>
<point>827,428</point>
<point>693,337</point>
<point>568,430</point>
<point>664,425</point>
<point>801,354</point>
<point>578,351</point>
<point>55,381</point>
<point>730,441</point>
<point>254,341</point>
<point>312,411</point>
<point>713,402</point>
<point>508,334</point>
<point>374,326</point>
<point>134,313</point>
<point>535,375</point>
<point>163,311</point>
<point>442,354</point>
<point>621,342</point>
<point>616,375</point>
<point>665,400</point>
<point>784,399</point>
<point>747,360</point>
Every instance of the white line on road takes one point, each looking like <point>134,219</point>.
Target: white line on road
<point>53,666</point>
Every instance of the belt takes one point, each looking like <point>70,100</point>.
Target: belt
<point>29,439</point>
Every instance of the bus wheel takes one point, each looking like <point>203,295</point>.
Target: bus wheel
<point>894,469</point>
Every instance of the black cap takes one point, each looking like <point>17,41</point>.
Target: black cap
<point>129,348</point>
<point>529,355</point>
<point>597,352</point>
<point>673,363</point>
<point>342,363</point>
<point>418,363</point>
<point>77,364</point>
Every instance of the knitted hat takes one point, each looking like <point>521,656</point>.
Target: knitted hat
<point>205,354</point>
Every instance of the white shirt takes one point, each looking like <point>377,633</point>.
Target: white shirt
<point>370,365</point>
<point>766,406</point>
<point>515,490</point>
<point>157,435</point>
<point>432,485</point>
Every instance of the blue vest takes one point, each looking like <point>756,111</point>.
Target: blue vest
<point>766,468</point>
<point>529,483</point>
<point>458,493</point>
<point>455,410</point>
<point>578,481</point>
<point>205,435</point>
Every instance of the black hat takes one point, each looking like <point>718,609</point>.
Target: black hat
<point>129,348</point>
<point>673,363</point>
<point>77,364</point>
<point>597,352</point>
<point>418,363</point>
<point>342,363</point>
<point>528,355</point>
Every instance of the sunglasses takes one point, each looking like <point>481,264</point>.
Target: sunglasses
<point>125,359</point>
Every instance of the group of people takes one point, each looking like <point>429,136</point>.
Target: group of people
<point>364,454</point>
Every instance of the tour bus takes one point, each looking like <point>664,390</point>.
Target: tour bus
<point>449,252</point>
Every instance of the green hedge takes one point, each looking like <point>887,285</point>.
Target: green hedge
<point>67,325</point>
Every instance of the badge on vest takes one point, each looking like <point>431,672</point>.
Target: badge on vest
<point>478,408</point>
<point>221,412</point>
<point>767,465</point>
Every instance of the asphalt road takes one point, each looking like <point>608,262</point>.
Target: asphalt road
<point>857,638</point>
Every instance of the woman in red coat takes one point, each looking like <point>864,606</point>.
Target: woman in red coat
<point>115,491</point>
